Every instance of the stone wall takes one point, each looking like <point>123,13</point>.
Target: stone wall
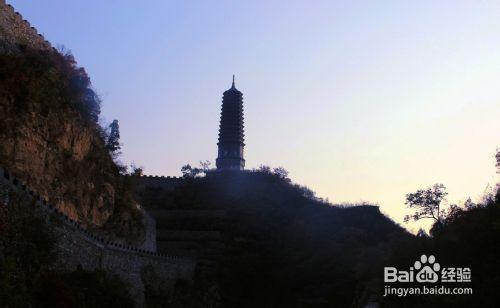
<point>15,31</point>
<point>78,247</point>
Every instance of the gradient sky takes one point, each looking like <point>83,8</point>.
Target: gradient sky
<point>359,100</point>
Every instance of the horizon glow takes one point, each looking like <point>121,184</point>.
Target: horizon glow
<point>360,101</point>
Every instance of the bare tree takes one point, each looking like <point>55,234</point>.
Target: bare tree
<point>426,202</point>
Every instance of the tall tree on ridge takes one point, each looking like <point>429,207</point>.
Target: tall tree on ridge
<point>113,142</point>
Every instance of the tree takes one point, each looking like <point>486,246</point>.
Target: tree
<point>205,165</point>
<point>264,169</point>
<point>426,202</point>
<point>190,172</point>
<point>113,142</point>
<point>281,172</point>
<point>136,171</point>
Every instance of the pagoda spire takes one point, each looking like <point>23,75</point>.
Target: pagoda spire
<point>231,131</point>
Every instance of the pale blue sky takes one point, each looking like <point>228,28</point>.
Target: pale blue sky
<point>359,100</point>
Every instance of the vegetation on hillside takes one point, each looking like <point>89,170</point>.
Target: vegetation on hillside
<point>49,77</point>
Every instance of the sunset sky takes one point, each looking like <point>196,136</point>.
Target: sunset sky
<point>359,100</point>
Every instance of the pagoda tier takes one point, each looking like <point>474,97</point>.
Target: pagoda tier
<point>231,131</point>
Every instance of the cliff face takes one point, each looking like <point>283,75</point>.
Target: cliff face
<point>61,157</point>
<point>49,136</point>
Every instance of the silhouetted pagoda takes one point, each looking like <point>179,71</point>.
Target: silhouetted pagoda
<point>231,134</point>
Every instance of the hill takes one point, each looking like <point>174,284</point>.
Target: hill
<point>279,246</point>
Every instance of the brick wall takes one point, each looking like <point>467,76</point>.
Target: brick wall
<point>15,31</point>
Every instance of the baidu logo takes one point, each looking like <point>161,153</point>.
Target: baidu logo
<point>427,270</point>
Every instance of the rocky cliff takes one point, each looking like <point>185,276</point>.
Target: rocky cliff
<point>49,136</point>
<point>56,153</point>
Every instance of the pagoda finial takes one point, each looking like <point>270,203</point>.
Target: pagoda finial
<point>233,83</point>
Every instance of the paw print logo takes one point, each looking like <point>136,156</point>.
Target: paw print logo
<point>427,269</point>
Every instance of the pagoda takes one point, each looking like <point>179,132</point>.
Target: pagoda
<point>231,132</point>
